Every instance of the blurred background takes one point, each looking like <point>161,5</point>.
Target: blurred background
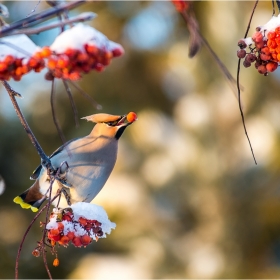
<point>186,196</point>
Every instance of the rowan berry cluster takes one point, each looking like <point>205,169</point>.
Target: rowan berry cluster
<point>264,47</point>
<point>14,64</point>
<point>74,52</point>
<point>64,229</point>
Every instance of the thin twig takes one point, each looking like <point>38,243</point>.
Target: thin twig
<point>29,31</point>
<point>58,128</point>
<point>40,17</point>
<point>86,95</point>
<point>238,85</point>
<point>45,160</point>
<point>199,37</point>
<point>72,102</point>
<point>34,9</point>
<point>251,17</point>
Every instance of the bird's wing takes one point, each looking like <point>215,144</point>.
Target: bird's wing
<point>37,171</point>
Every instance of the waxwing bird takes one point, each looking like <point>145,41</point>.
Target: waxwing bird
<point>90,161</point>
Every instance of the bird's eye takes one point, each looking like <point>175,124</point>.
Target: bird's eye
<point>114,123</point>
<point>110,123</point>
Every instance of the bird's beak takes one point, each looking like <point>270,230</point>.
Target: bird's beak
<point>128,119</point>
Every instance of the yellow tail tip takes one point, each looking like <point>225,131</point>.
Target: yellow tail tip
<point>24,205</point>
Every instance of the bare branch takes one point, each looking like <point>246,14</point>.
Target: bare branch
<point>45,160</point>
<point>81,18</point>
<point>40,17</point>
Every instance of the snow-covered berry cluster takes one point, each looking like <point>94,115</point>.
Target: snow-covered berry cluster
<point>263,47</point>
<point>79,50</point>
<point>75,51</point>
<point>79,225</point>
<point>18,56</point>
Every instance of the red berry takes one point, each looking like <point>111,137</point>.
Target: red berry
<point>70,235</point>
<point>262,69</point>
<point>246,63</point>
<point>85,239</point>
<point>64,240</point>
<point>271,66</point>
<point>241,44</point>
<point>241,53</point>
<point>77,242</point>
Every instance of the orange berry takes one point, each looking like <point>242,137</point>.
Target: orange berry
<point>53,237</point>
<point>274,55</point>
<point>52,63</point>
<point>85,239</point>
<point>271,35</point>
<point>9,59</point>
<point>54,231</point>
<point>64,240</point>
<point>271,66</point>
<point>131,117</point>
<point>265,50</point>
<point>56,262</point>
<point>63,61</point>
<point>91,49</point>
<point>37,55</point>
<point>74,76</point>
<point>45,52</point>
<point>3,66</point>
<point>180,5</point>
<point>60,226</point>
<point>18,71</point>
<point>82,221</point>
<point>271,44</point>
<point>71,53</point>
<point>277,30</point>
<point>25,69</point>
<point>53,243</point>
<point>70,235</point>
<point>265,57</point>
<point>77,241</point>
<point>82,57</point>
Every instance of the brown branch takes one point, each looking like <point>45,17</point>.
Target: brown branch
<point>238,85</point>
<point>45,160</point>
<point>40,17</point>
<point>81,18</point>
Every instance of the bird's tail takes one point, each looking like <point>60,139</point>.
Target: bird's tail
<point>31,198</point>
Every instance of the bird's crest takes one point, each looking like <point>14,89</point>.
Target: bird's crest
<point>100,118</point>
